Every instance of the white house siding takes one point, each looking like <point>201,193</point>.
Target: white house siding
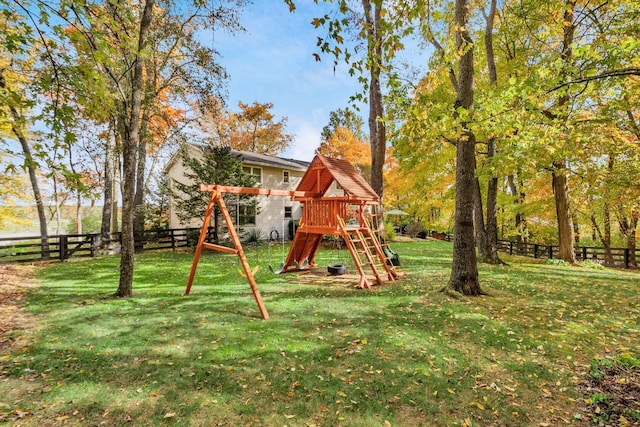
<point>271,208</point>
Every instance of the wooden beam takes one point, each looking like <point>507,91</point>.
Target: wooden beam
<point>219,248</point>
<point>257,191</point>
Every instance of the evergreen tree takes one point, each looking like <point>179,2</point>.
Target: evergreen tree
<point>219,166</point>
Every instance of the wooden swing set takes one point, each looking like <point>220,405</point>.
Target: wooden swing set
<point>355,216</point>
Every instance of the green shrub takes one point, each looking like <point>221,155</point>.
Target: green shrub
<point>254,236</point>
<point>591,264</point>
<point>557,262</point>
<point>389,232</point>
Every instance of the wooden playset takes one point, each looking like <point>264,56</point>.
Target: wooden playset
<point>355,216</point>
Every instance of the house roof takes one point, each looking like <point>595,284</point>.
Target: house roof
<point>250,158</point>
<point>324,170</point>
<point>257,159</point>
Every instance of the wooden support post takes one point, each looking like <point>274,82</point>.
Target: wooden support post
<point>63,244</point>
<point>203,234</point>
<point>627,257</point>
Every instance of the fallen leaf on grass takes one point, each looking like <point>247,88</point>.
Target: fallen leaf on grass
<point>169,415</point>
<point>289,416</point>
<point>477,405</point>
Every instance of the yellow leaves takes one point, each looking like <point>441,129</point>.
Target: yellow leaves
<point>477,405</point>
<point>343,144</point>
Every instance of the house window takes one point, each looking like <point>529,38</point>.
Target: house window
<point>288,212</point>
<point>285,177</point>
<point>247,214</point>
<point>255,172</point>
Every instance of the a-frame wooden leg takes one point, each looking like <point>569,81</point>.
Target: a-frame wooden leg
<point>243,259</point>
<point>203,236</point>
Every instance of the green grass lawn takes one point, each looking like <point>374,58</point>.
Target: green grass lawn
<point>401,354</point>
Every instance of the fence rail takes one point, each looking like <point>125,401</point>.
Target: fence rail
<point>62,247</point>
<point>619,257</point>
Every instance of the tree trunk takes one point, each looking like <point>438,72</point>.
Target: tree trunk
<point>138,201</point>
<point>31,165</point>
<point>105,226</point>
<point>464,270</point>
<point>631,240</point>
<point>130,142</point>
<point>489,243</point>
<point>608,256</point>
<point>563,212</point>
<point>478,221</point>
<point>560,180</point>
<point>576,228</point>
<point>377,129</point>
<point>521,221</point>
<point>628,227</point>
<point>78,213</point>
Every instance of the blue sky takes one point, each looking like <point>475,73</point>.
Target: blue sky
<point>273,62</point>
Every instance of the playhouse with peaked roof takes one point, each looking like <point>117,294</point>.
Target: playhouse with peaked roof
<point>356,216</point>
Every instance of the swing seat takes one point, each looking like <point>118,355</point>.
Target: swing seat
<point>279,270</point>
<point>304,265</point>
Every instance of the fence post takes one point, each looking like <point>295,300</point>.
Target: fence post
<point>63,244</point>
<point>627,257</point>
<point>550,252</point>
<point>173,240</point>
<point>584,253</point>
<point>510,247</point>
<point>535,250</point>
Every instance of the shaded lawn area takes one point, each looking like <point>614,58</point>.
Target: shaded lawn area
<point>399,354</point>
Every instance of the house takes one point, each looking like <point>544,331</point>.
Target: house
<point>273,213</point>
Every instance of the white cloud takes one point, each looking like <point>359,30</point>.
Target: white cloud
<point>305,143</point>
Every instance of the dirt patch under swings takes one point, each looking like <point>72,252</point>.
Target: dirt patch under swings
<point>320,276</point>
<point>15,281</point>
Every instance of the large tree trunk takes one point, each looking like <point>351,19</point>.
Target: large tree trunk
<point>377,130</point>
<point>563,212</point>
<point>130,142</point>
<point>560,180</point>
<point>31,165</point>
<point>464,270</point>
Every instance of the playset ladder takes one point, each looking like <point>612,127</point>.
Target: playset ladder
<point>381,246</point>
<point>365,249</point>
